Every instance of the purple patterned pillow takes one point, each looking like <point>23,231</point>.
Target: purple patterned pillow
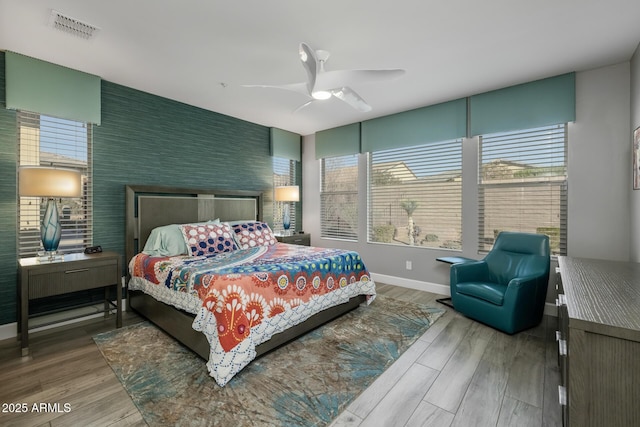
<point>251,234</point>
<point>205,239</point>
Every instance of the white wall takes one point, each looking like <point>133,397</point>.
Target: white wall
<point>600,165</point>
<point>635,123</point>
<point>599,184</point>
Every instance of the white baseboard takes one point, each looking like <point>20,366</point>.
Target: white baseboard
<point>8,330</point>
<point>49,321</point>
<point>412,284</point>
<point>549,308</point>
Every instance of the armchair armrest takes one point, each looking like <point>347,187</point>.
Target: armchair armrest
<point>476,271</point>
<point>522,290</point>
<point>524,280</point>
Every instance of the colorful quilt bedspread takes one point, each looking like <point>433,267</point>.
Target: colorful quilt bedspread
<point>242,298</point>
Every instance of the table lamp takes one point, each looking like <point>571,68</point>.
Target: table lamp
<point>52,183</point>
<point>287,194</point>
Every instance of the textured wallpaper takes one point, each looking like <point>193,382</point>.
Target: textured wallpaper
<point>8,207</point>
<point>144,140</point>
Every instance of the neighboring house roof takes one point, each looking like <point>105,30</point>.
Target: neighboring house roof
<point>47,159</point>
<point>400,172</point>
<point>397,169</point>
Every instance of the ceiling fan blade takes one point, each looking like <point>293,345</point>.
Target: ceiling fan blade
<point>352,98</point>
<point>323,84</point>
<point>310,64</point>
<point>339,78</point>
<point>303,105</point>
<point>294,87</point>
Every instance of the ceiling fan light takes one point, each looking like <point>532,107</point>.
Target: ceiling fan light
<point>321,94</point>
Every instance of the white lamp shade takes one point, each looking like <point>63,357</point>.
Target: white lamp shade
<point>37,181</point>
<point>287,193</point>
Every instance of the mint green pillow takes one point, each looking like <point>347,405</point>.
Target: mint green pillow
<point>168,240</point>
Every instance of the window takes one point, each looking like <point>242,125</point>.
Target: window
<point>284,173</point>
<point>49,141</point>
<point>415,195</point>
<point>339,197</point>
<point>523,185</point>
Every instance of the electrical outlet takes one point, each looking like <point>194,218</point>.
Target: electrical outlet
<point>409,265</point>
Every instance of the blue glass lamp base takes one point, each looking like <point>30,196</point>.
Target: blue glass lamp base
<point>286,219</point>
<point>50,227</point>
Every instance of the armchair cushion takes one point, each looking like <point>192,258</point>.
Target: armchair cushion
<point>491,292</point>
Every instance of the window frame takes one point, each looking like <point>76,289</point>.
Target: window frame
<point>346,198</point>
<point>429,185</point>
<point>290,177</point>
<point>556,183</point>
<point>61,138</point>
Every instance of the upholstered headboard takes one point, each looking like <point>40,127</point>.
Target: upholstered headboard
<point>148,207</point>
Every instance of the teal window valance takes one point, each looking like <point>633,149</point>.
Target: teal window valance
<point>285,144</point>
<point>46,88</point>
<point>340,141</point>
<point>435,123</point>
<point>529,105</point>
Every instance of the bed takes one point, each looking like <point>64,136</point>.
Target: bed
<point>238,297</point>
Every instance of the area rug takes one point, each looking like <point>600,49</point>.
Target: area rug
<point>306,382</point>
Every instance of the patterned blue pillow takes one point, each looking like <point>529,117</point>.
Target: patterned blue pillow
<point>254,233</point>
<point>206,239</point>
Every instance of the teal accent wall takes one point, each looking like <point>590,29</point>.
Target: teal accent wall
<point>8,207</point>
<point>143,140</point>
<point>148,140</point>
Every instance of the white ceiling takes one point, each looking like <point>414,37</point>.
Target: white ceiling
<point>201,52</point>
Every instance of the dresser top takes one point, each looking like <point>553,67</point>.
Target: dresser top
<point>602,293</point>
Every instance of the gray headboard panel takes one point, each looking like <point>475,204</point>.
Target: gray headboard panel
<point>149,207</point>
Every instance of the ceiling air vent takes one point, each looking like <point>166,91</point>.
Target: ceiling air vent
<point>72,26</point>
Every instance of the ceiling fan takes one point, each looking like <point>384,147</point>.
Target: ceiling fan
<point>322,85</point>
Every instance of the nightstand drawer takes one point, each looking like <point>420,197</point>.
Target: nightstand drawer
<point>76,277</point>
<point>302,240</point>
<point>296,239</point>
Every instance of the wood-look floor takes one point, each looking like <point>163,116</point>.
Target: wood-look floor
<point>463,373</point>
<point>460,373</point>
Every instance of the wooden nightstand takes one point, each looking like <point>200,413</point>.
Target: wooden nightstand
<point>75,272</point>
<point>296,239</point>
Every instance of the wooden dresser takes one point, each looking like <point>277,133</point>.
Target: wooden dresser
<point>599,341</point>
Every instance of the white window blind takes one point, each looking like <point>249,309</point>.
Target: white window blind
<point>339,197</point>
<point>284,173</point>
<point>523,185</point>
<point>415,195</point>
<point>49,141</point>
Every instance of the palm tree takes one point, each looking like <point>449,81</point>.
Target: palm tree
<point>409,207</point>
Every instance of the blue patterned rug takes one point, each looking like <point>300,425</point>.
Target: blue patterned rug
<point>307,382</point>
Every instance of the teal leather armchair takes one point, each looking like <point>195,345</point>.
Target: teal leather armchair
<point>508,288</point>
